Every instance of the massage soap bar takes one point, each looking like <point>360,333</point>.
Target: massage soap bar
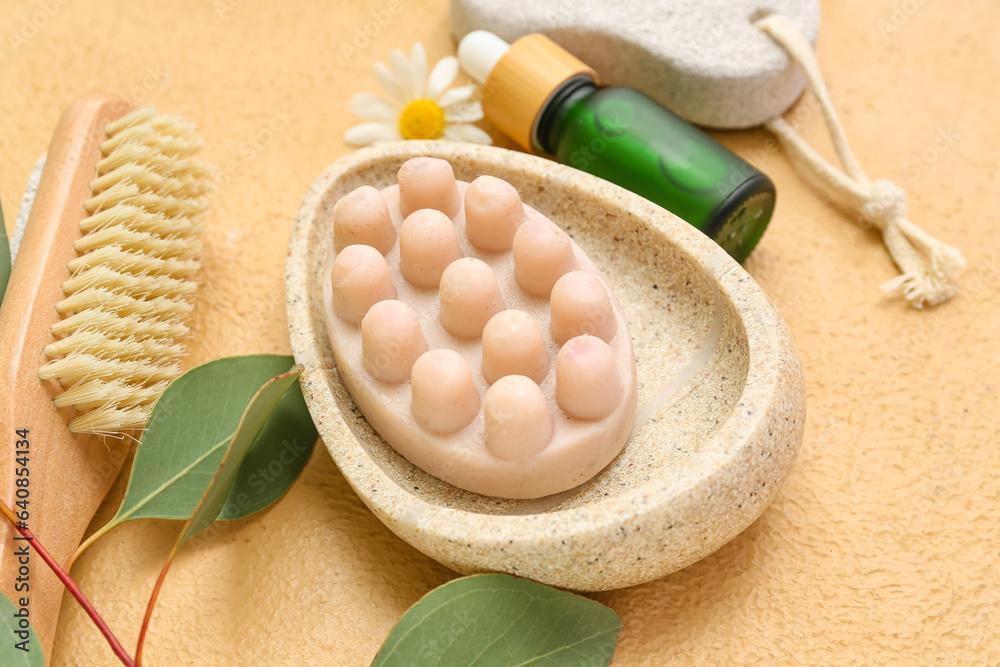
<point>475,336</point>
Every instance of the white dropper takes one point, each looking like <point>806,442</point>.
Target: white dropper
<point>478,53</point>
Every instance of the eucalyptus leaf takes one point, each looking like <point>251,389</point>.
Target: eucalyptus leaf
<point>251,424</point>
<point>186,438</point>
<point>5,262</point>
<point>252,421</point>
<point>498,619</point>
<point>11,639</point>
<point>276,458</point>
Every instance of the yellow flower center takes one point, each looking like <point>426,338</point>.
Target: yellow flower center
<point>421,119</point>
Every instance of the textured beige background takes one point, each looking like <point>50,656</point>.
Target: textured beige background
<point>883,545</point>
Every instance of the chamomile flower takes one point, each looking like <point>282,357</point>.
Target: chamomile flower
<point>419,107</point>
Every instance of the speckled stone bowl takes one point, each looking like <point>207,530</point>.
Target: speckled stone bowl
<point>721,393</point>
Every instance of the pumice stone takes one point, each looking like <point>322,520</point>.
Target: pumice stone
<point>705,60</point>
<point>475,336</point>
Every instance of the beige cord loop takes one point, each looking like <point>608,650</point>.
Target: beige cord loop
<point>929,268</point>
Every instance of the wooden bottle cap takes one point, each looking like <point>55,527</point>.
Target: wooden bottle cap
<point>523,80</point>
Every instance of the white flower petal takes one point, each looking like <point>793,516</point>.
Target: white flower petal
<point>388,83</point>
<point>441,77</point>
<point>467,112</point>
<point>469,133</point>
<point>367,133</point>
<point>456,95</point>
<point>402,73</point>
<point>418,61</point>
<point>373,107</point>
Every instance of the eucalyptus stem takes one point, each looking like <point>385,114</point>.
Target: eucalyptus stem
<point>71,586</point>
<point>152,603</point>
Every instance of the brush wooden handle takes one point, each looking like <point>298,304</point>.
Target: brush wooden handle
<point>69,475</point>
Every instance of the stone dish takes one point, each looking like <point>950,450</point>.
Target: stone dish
<point>721,392</point>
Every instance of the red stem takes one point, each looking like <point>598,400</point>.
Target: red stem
<point>152,603</point>
<point>71,586</point>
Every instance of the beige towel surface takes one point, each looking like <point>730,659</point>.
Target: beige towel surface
<point>883,545</point>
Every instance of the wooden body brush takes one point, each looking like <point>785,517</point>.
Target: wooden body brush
<point>88,328</point>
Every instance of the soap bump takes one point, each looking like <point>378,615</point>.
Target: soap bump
<point>581,305</point>
<point>493,213</point>
<point>470,296</point>
<point>427,182</point>
<point>427,245</point>
<point>360,278</point>
<point>362,217</point>
<point>588,385</point>
<point>444,397</point>
<point>518,423</point>
<point>542,254</point>
<point>391,341</point>
<point>513,344</point>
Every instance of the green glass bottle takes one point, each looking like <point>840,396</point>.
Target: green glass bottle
<point>550,102</point>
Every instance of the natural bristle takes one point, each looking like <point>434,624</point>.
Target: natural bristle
<point>114,257</point>
<point>110,347</point>
<point>147,244</point>
<point>123,304</point>
<point>78,367</point>
<point>118,324</point>
<point>161,164</point>
<point>126,192</point>
<point>108,420</point>
<point>138,219</point>
<point>129,290</point>
<point>154,138</point>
